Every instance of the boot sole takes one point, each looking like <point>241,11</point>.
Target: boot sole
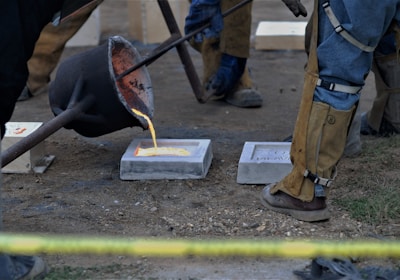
<point>245,98</point>
<point>307,216</point>
<point>245,104</point>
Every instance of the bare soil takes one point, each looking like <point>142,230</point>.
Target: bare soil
<point>81,192</point>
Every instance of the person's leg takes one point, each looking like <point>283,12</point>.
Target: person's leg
<point>20,23</point>
<point>384,116</point>
<point>235,49</point>
<point>48,51</point>
<point>225,74</point>
<point>327,107</point>
<point>353,143</point>
<point>18,267</point>
<point>235,37</point>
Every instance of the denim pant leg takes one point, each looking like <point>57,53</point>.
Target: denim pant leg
<point>340,61</point>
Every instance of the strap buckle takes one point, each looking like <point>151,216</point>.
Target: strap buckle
<point>326,4</point>
<point>326,85</point>
<point>339,29</point>
<point>317,180</point>
<point>338,87</point>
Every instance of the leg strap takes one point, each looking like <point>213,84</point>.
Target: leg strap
<point>319,180</point>
<point>341,31</point>
<point>338,87</point>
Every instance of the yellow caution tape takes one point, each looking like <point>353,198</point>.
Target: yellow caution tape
<point>35,244</point>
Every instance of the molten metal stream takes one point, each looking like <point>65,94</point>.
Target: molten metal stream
<point>165,151</point>
<point>151,127</point>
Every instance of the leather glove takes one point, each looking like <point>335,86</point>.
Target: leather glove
<point>296,7</point>
<point>230,70</point>
<point>202,12</point>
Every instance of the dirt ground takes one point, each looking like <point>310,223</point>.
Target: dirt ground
<point>81,192</point>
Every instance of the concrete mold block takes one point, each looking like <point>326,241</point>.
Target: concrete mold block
<point>264,162</point>
<point>194,166</point>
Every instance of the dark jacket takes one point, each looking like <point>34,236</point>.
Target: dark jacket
<point>21,22</point>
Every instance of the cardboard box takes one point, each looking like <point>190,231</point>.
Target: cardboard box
<point>147,24</point>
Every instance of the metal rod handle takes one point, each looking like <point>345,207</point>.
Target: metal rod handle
<point>74,109</point>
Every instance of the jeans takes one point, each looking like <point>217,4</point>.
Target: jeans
<point>340,61</point>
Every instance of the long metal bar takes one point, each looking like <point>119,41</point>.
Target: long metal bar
<point>74,109</point>
<point>182,50</point>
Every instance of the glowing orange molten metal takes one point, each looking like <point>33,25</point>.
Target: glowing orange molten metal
<point>157,151</point>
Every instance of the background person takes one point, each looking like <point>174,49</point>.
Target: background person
<point>341,55</point>
<point>20,24</point>
<point>48,50</point>
<point>383,119</point>
<point>225,48</point>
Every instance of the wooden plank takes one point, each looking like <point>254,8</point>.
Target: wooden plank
<point>136,23</point>
<point>280,35</point>
<point>89,33</point>
<point>146,22</point>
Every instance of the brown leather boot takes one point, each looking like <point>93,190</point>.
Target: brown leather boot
<point>281,202</point>
<point>302,194</point>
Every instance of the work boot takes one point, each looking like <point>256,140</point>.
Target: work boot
<point>25,94</point>
<point>303,191</point>
<point>245,98</point>
<point>386,129</point>
<point>281,202</point>
<point>21,267</point>
<point>245,94</point>
<point>230,70</point>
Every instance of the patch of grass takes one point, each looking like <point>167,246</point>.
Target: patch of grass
<point>374,207</point>
<point>379,149</point>
<point>67,272</point>
<point>371,191</point>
